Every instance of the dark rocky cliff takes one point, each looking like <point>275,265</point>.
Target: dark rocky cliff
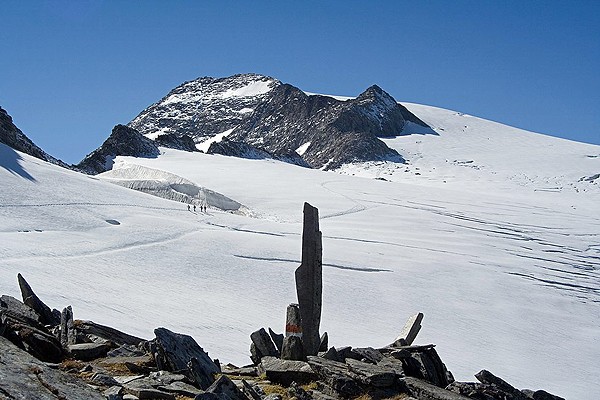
<point>123,141</point>
<point>13,137</point>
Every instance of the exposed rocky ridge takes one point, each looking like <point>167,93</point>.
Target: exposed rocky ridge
<point>15,138</point>
<point>123,141</point>
<point>277,119</point>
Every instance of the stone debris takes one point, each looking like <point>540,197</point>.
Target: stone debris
<point>41,354</point>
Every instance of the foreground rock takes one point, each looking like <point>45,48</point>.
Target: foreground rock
<point>181,353</point>
<point>286,371</point>
<point>173,366</point>
<point>47,316</point>
<point>23,377</point>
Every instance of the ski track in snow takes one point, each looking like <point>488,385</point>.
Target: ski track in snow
<point>297,262</point>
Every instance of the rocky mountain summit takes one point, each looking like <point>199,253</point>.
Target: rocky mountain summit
<point>15,138</point>
<point>261,115</point>
<point>205,107</point>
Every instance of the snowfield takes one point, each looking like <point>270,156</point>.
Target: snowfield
<point>490,231</point>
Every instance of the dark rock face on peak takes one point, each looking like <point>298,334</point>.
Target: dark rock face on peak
<point>171,140</point>
<point>231,148</point>
<point>263,117</point>
<point>123,141</point>
<point>328,132</point>
<point>12,136</point>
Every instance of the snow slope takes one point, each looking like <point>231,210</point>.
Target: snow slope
<point>487,230</point>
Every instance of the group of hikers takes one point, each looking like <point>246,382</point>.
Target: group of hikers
<point>202,208</point>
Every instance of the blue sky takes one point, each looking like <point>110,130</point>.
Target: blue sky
<point>70,71</point>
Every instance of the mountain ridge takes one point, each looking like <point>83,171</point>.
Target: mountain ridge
<point>16,139</point>
<point>278,118</point>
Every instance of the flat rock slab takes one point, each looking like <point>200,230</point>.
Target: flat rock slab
<point>144,394</point>
<point>140,360</point>
<point>368,353</point>
<point>244,371</point>
<point>166,377</point>
<point>106,333</point>
<point>22,377</point>
<point>19,311</point>
<point>286,371</point>
<point>181,388</point>
<point>372,375</point>
<point>123,379</point>
<point>88,351</point>
<point>426,391</point>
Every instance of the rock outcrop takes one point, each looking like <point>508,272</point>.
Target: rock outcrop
<point>232,148</point>
<point>183,142</point>
<point>123,141</point>
<point>13,137</point>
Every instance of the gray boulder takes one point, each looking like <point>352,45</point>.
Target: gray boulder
<point>225,389</point>
<point>485,376</point>
<point>88,351</point>
<point>286,371</point>
<point>176,351</point>
<point>263,345</point>
<point>23,377</point>
<point>373,375</point>
<point>423,390</point>
<point>337,376</point>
